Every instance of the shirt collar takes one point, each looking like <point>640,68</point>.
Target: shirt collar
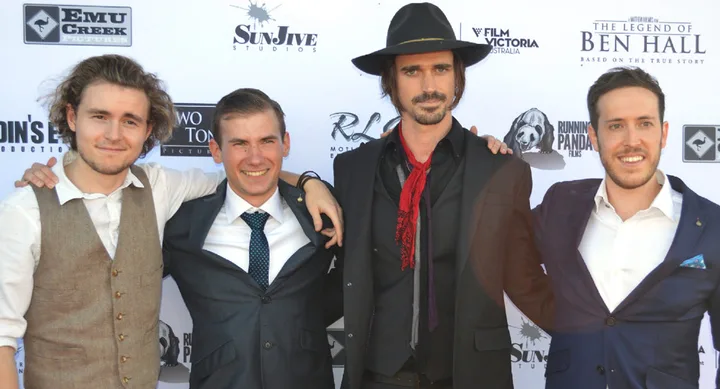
<point>236,206</point>
<point>67,190</point>
<point>662,202</point>
<point>455,139</point>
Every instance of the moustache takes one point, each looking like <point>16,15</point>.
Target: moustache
<point>632,150</point>
<point>429,96</point>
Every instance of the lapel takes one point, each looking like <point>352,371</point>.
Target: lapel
<point>204,214</point>
<point>578,218</point>
<point>686,238</point>
<point>295,199</point>
<point>357,206</point>
<point>480,165</point>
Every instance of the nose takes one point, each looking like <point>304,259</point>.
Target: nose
<point>255,155</point>
<point>632,136</point>
<point>429,84</point>
<point>113,131</point>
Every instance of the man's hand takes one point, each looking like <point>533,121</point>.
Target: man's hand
<point>40,175</point>
<point>8,370</point>
<point>494,144</point>
<point>320,200</point>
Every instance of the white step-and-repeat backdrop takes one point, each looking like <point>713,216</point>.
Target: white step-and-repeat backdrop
<point>547,55</point>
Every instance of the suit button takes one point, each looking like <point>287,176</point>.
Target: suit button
<point>118,295</point>
<point>120,316</point>
<point>349,284</point>
<point>121,337</point>
<point>268,345</point>
<point>115,273</point>
<point>610,321</point>
<point>600,369</point>
<point>123,359</point>
<point>126,379</point>
<point>265,299</point>
<point>350,335</point>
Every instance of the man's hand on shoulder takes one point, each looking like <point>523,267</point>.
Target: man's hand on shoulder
<point>320,200</point>
<point>40,175</point>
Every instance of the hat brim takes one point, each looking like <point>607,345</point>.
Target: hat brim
<point>470,53</point>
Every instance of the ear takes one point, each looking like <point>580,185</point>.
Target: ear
<point>593,137</point>
<point>70,116</point>
<point>665,128</point>
<point>215,150</point>
<point>149,131</point>
<point>286,144</point>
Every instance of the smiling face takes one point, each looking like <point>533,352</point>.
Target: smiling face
<point>252,151</point>
<point>629,136</point>
<point>111,126</point>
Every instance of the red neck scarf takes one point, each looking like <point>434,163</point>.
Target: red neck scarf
<point>409,208</point>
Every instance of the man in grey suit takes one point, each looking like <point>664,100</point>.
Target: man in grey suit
<point>249,264</point>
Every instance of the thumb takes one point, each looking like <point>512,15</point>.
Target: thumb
<point>473,129</point>
<point>52,161</point>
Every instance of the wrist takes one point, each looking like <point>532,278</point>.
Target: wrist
<point>305,177</point>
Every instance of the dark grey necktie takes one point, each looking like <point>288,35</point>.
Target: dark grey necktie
<point>259,249</point>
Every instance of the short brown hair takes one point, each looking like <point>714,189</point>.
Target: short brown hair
<point>388,81</point>
<point>622,77</point>
<point>245,101</point>
<point>119,70</point>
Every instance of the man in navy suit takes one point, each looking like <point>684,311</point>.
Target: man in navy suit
<point>250,265</point>
<point>634,258</point>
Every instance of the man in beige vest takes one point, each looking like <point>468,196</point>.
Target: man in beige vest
<point>84,290</point>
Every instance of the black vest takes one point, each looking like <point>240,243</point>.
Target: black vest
<point>389,342</point>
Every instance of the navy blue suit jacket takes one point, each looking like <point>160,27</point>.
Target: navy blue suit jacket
<point>650,341</point>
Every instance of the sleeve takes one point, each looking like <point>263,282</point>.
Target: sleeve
<point>714,313</point>
<point>178,186</point>
<point>526,283</point>
<point>334,284</point>
<point>19,249</point>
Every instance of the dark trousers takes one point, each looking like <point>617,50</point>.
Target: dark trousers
<point>403,379</point>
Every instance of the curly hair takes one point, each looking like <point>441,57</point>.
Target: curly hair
<point>118,70</point>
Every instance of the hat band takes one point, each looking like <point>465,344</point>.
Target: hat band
<point>421,39</point>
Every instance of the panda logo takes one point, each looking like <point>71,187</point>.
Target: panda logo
<point>169,346</point>
<point>531,130</point>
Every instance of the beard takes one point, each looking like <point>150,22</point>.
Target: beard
<point>429,116</point>
<point>109,170</point>
<point>629,183</point>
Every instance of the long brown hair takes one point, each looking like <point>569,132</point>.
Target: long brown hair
<point>119,70</point>
<point>388,82</point>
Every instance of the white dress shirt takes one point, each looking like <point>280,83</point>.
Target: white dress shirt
<point>20,229</point>
<point>619,255</point>
<point>229,235</point>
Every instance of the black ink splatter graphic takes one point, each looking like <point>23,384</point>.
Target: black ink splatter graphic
<point>258,13</point>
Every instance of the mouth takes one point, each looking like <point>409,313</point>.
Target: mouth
<point>632,159</point>
<point>111,149</point>
<point>255,173</point>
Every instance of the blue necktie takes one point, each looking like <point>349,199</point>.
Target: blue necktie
<point>259,250</point>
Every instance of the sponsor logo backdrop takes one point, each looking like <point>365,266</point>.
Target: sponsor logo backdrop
<point>530,91</point>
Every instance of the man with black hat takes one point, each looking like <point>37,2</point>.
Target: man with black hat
<point>437,227</point>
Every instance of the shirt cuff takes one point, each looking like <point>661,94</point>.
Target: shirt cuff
<point>11,342</point>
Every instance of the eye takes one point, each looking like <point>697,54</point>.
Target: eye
<point>131,123</point>
<point>269,141</point>
<point>98,116</point>
<point>410,72</point>
<point>615,126</point>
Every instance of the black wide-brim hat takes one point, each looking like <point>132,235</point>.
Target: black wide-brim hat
<point>420,28</point>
